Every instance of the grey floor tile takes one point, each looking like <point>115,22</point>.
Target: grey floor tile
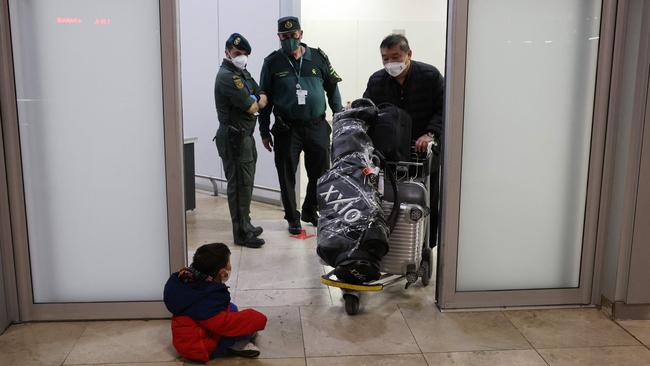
<point>482,358</point>
<point>453,332</point>
<point>39,343</point>
<point>210,221</point>
<point>569,328</point>
<point>329,331</point>
<point>235,260</point>
<point>383,360</point>
<point>292,297</point>
<point>277,237</point>
<point>175,363</point>
<point>124,341</point>
<point>255,362</point>
<point>266,268</point>
<point>282,337</point>
<point>603,356</point>
<point>393,294</point>
<point>639,328</point>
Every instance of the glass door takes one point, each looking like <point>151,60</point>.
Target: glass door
<point>528,84</point>
<point>95,163</point>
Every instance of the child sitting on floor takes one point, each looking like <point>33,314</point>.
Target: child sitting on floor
<point>205,324</point>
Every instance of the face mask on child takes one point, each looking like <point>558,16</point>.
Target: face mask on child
<point>224,274</point>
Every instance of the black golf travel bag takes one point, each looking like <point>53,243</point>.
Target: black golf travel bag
<point>353,230</point>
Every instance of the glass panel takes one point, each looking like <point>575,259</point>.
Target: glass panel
<point>88,79</point>
<point>529,95</point>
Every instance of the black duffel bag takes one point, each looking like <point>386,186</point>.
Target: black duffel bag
<point>391,132</point>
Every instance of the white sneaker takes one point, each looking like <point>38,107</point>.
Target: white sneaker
<point>244,349</point>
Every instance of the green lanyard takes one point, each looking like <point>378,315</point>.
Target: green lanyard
<point>297,72</point>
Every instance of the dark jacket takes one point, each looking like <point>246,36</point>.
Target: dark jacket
<point>232,96</point>
<point>421,96</point>
<point>202,314</point>
<point>278,81</point>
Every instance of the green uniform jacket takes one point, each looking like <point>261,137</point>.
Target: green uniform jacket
<point>232,96</point>
<point>278,81</point>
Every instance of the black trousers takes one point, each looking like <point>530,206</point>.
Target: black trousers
<point>312,138</point>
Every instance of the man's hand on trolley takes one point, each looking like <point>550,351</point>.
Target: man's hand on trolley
<point>422,142</point>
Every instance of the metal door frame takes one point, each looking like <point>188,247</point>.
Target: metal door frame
<point>8,295</point>
<point>447,295</point>
<point>173,138</point>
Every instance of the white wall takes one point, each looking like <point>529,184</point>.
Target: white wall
<point>350,32</point>
<point>205,25</point>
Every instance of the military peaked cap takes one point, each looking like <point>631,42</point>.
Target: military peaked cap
<point>288,24</point>
<point>238,41</point>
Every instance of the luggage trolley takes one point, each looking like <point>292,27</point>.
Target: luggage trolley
<point>409,256</point>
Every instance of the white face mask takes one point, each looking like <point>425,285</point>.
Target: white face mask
<point>240,61</point>
<point>395,68</point>
<point>225,276</point>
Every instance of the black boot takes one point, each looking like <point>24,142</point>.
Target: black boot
<point>311,218</point>
<point>255,230</point>
<point>294,227</point>
<point>250,241</point>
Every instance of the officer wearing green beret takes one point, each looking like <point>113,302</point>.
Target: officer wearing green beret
<point>296,79</point>
<point>238,98</point>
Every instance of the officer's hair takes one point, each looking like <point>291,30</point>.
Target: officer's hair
<point>210,258</point>
<point>393,40</point>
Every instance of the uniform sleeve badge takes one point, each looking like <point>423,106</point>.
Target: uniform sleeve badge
<point>238,83</point>
<point>313,71</point>
<point>333,72</point>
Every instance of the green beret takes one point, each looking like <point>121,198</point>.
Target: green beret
<point>239,42</point>
<point>288,24</point>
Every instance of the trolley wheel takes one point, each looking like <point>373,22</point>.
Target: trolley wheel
<point>426,267</point>
<point>351,304</point>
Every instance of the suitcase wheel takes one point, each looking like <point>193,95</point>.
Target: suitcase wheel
<point>351,304</point>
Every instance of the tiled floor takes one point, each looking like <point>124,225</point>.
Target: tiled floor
<point>308,326</point>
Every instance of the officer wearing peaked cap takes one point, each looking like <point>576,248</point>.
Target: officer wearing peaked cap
<point>238,99</point>
<point>297,78</point>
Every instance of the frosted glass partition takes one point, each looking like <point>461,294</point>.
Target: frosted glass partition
<point>89,89</point>
<point>529,95</point>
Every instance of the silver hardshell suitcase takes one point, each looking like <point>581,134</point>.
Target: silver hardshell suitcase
<point>410,232</point>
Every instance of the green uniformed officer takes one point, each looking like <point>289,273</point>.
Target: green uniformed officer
<point>237,97</point>
<point>296,79</point>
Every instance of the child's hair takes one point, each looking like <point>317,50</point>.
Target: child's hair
<point>210,258</point>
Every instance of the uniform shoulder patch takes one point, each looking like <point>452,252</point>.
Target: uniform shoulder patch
<point>330,68</point>
<point>238,82</point>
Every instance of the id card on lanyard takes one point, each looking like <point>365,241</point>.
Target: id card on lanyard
<point>301,94</point>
